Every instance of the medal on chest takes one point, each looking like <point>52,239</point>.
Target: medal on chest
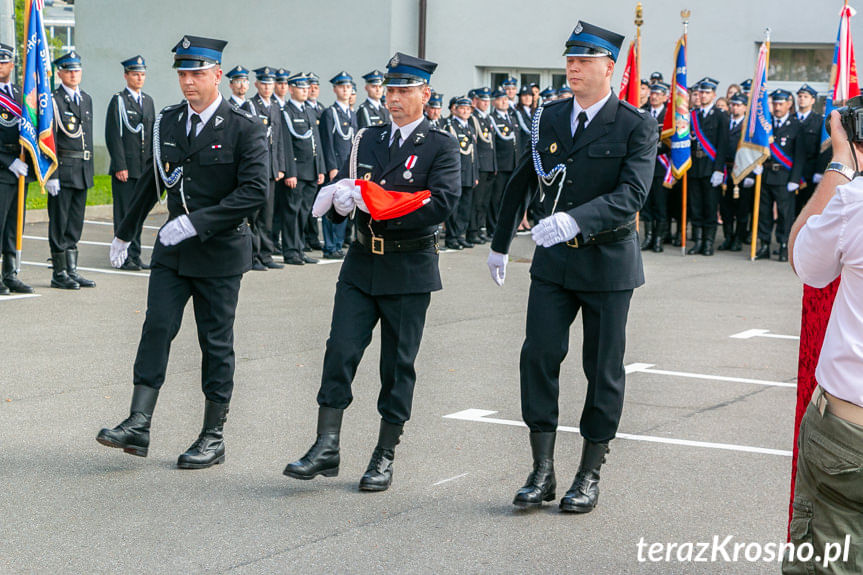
<point>409,163</point>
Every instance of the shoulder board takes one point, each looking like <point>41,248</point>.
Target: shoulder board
<point>240,112</point>
<point>379,127</point>
<point>626,105</point>
<point>439,131</point>
<point>556,102</point>
<point>172,107</point>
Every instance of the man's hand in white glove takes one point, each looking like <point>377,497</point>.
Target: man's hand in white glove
<point>816,178</point>
<point>716,178</point>
<point>52,187</point>
<point>758,169</point>
<point>18,168</point>
<point>177,230</point>
<point>118,252</point>
<point>560,227</point>
<point>497,266</point>
<point>793,186</point>
<point>748,182</point>
<point>357,194</point>
<point>324,199</point>
<point>343,199</point>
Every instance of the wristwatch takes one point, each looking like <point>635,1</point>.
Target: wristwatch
<point>842,169</point>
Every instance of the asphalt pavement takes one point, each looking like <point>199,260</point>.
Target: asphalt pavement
<point>703,452</point>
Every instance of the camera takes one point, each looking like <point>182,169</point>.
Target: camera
<point>851,116</point>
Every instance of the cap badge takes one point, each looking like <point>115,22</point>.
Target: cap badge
<point>395,61</point>
<point>578,28</point>
<point>186,42</point>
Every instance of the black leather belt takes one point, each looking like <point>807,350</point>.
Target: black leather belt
<point>85,155</point>
<point>700,154</point>
<point>603,237</point>
<point>380,246</point>
<point>774,166</point>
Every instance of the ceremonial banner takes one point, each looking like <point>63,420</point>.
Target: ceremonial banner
<point>630,84</point>
<point>843,74</point>
<point>756,136</point>
<point>37,117</point>
<point>676,125</point>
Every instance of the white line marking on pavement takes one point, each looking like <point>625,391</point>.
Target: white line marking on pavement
<point>646,368</point>
<point>17,296</point>
<point>450,479</point>
<point>481,415</point>
<point>750,333</point>
<point>97,270</point>
<point>95,223</point>
<point>86,243</point>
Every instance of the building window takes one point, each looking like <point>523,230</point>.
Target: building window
<point>795,63</point>
<point>542,78</point>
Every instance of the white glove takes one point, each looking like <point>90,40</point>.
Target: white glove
<point>343,200</point>
<point>18,168</point>
<point>716,178</point>
<point>816,178</point>
<point>758,169</point>
<point>357,195</point>
<point>793,186</point>
<point>748,182</point>
<point>176,231</point>
<point>324,199</point>
<point>497,266</point>
<point>560,227</point>
<point>118,252</point>
<point>52,187</point>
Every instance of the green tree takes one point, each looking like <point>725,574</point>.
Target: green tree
<point>55,43</point>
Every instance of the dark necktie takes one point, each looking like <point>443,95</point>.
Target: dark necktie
<point>7,89</point>
<point>193,131</point>
<point>582,120</point>
<point>394,147</point>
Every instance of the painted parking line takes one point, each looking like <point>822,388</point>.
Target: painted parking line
<point>84,242</point>
<point>648,368</point>
<point>442,481</point>
<point>141,274</point>
<point>95,223</point>
<point>17,296</point>
<point>481,415</point>
<point>750,333</point>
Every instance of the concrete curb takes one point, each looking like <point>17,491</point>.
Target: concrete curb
<point>90,213</point>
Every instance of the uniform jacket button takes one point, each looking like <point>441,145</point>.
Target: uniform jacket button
<point>568,181</point>
<point>383,182</point>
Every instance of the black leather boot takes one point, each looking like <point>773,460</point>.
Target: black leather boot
<point>72,269</point>
<point>763,252</point>
<point>709,237</point>
<point>697,242</point>
<point>209,448</point>
<point>541,483</point>
<point>648,235</point>
<point>323,457</point>
<point>658,236</point>
<point>379,473</point>
<point>583,496</point>
<point>60,279</point>
<point>727,237</point>
<point>10,275</point>
<point>133,434</point>
<point>783,252</point>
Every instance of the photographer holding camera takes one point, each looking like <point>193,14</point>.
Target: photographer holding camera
<point>826,241</point>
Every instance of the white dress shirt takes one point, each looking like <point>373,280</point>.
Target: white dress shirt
<point>135,95</point>
<point>591,111</point>
<point>405,130</point>
<point>205,115</point>
<point>831,244</point>
<point>74,94</point>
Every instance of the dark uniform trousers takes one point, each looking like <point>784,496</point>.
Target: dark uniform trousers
<point>656,207</point>
<point>457,222</point>
<point>66,218</point>
<point>784,208</point>
<point>481,204</point>
<point>262,227</point>
<point>775,179</point>
<point>497,188</point>
<point>9,216</point>
<point>703,203</point>
<point>215,304</point>
<point>123,194</point>
<point>297,205</point>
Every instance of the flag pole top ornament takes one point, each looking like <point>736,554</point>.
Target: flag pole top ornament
<point>684,15</point>
<point>639,14</point>
<point>767,34</point>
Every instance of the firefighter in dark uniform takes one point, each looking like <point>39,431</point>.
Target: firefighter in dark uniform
<point>338,127</point>
<point>736,203</point>
<point>280,94</point>
<point>810,130</point>
<point>302,124</point>
<point>781,176</point>
<point>587,257</point>
<point>654,216</point>
<point>524,116</point>
<point>11,168</point>
<point>461,129</point>
<point>238,78</point>
<point>129,139</point>
<point>67,190</point>
<point>311,233</point>
<point>388,274</point>
<point>487,164</point>
<point>372,112</point>
<point>212,160</point>
<point>434,109</point>
<point>270,116</point>
<point>506,148</point>
<point>709,139</point>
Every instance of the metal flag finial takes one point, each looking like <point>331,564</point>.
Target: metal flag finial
<point>639,14</point>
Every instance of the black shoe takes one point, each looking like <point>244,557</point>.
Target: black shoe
<point>453,245</point>
<point>4,290</point>
<point>334,256</point>
<point>130,266</point>
<point>541,483</point>
<point>707,246</point>
<point>736,245</point>
<point>307,249</point>
<point>725,245</point>
<point>141,264</point>
<point>294,261</point>
<point>658,234</point>
<point>649,231</point>
<point>258,266</point>
<point>133,434</point>
<point>474,239</point>
<point>340,253</point>
<point>323,457</point>
<point>60,279</point>
<point>763,253</point>
<point>697,242</point>
<point>484,238</point>
<point>209,448</point>
<point>274,265</point>
<point>379,473</point>
<point>308,260</point>
<point>783,252</point>
<point>465,243</point>
<point>315,246</point>
<point>72,269</point>
<point>583,496</point>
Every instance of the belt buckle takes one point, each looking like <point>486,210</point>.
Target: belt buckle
<point>573,243</point>
<point>377,246</point>
<point>86,155</point>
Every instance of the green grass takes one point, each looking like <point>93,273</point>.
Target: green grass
<point>98,195</point>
